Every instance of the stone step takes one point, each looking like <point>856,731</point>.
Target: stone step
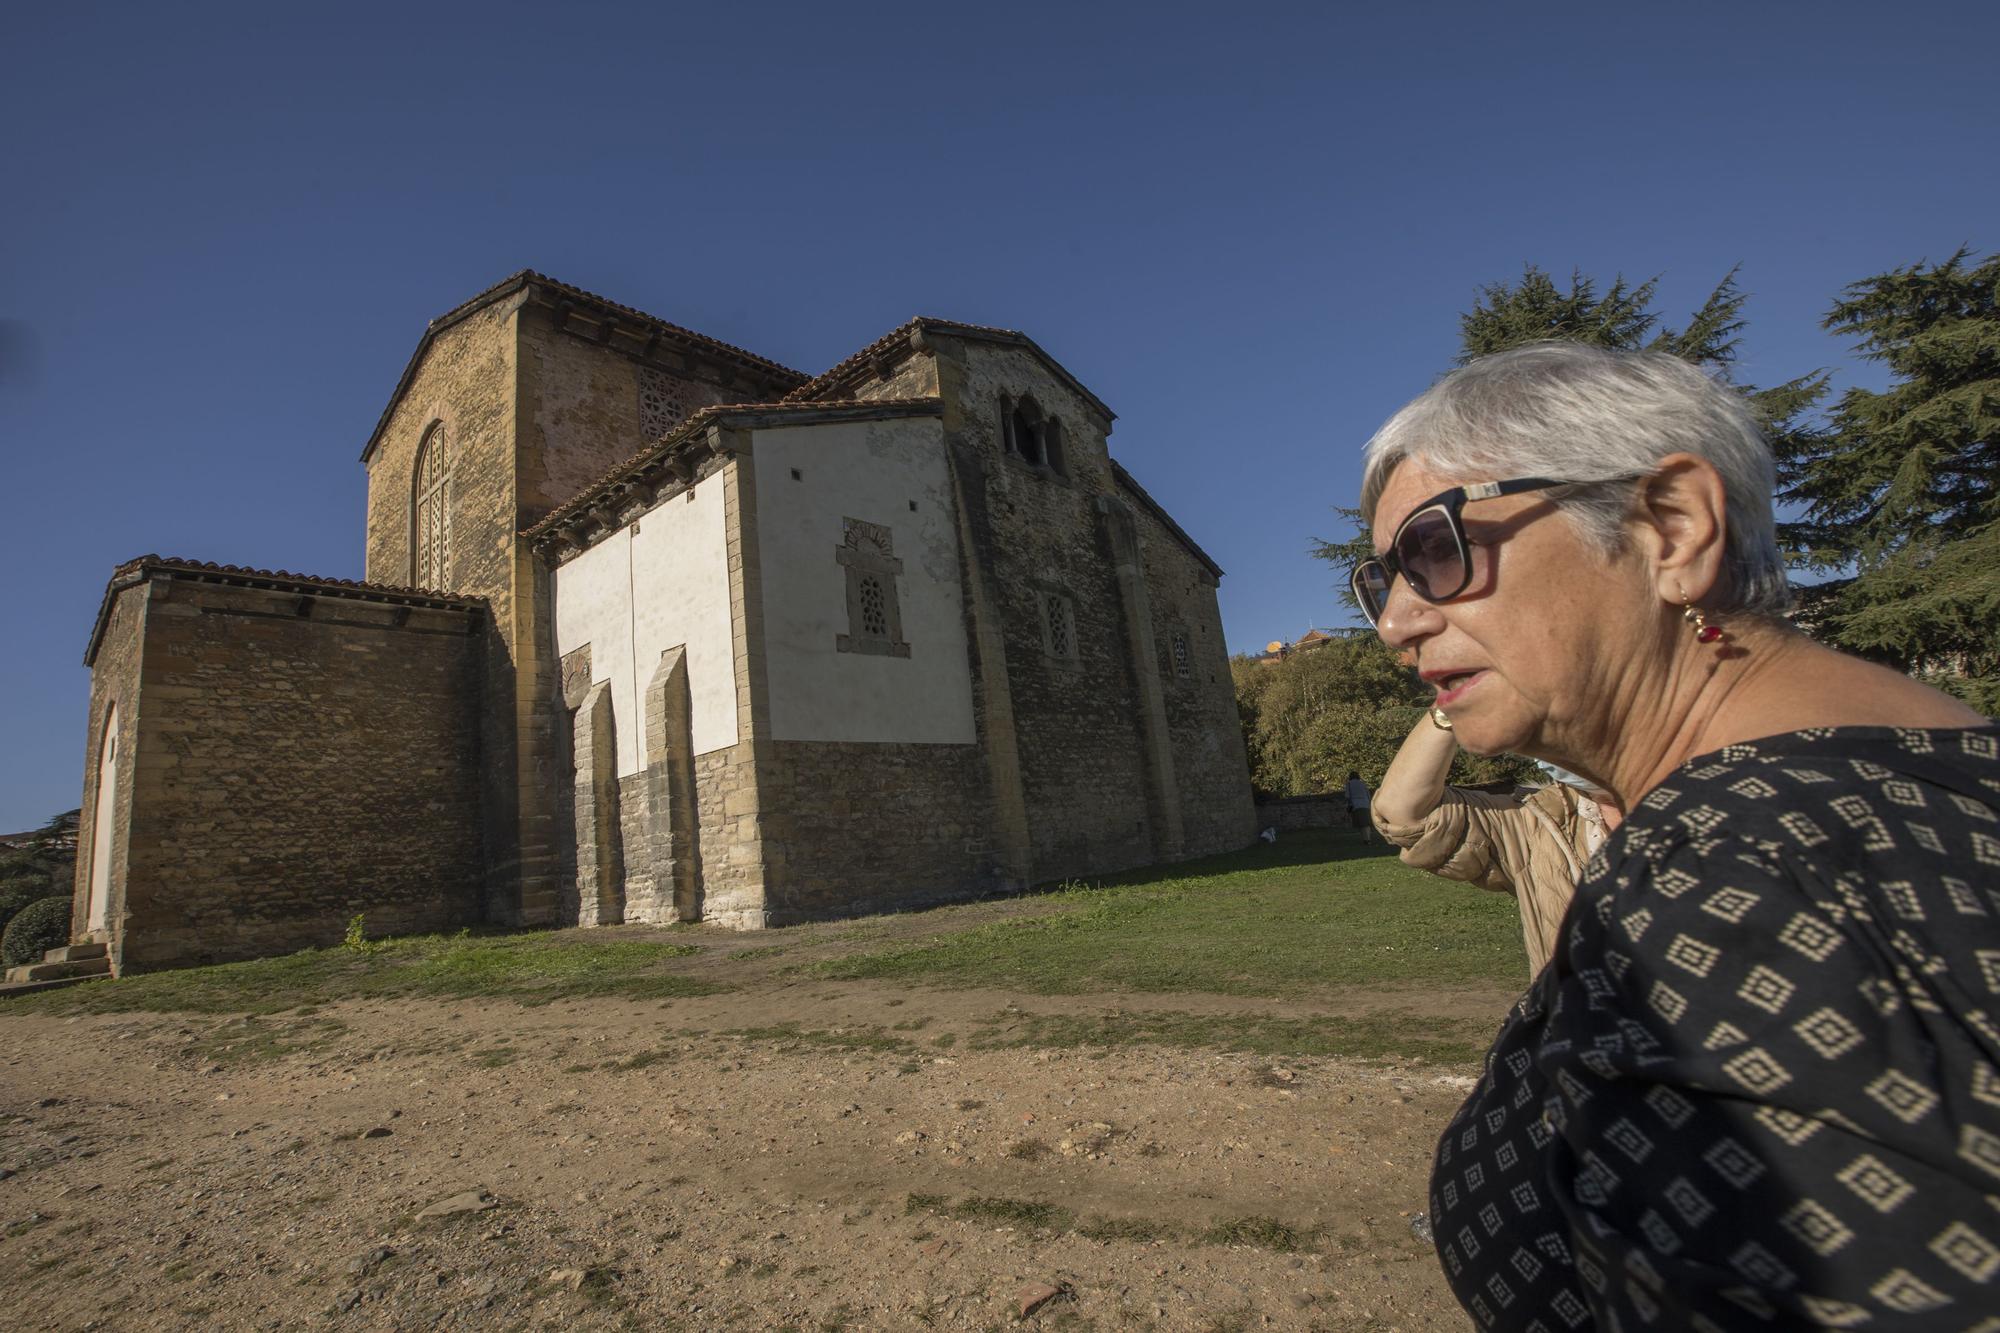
<point>57,971</point>
<point>9,989</point>
<point>76,953</point>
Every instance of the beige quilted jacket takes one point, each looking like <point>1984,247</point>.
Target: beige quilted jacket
<point>1532,842</point>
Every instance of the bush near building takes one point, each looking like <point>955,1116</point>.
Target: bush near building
<point>37,928</point>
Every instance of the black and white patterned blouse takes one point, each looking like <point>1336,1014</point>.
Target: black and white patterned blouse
<point>1759,1084</point>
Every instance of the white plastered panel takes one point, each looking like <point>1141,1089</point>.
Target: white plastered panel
<point>873,471</point>
<point>633,596</point>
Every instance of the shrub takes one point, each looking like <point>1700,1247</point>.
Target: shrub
<point>16,894</point>
<point>40,926</point>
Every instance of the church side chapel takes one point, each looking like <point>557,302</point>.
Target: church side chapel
<point>653,629</point>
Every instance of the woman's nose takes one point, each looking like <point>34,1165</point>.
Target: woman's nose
<point>1406,618</point>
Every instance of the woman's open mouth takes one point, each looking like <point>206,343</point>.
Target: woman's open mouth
<point>1451,688</point>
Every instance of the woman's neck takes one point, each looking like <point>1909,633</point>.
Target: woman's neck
<point>1762,679</point>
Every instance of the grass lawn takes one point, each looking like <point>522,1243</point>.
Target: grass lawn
<point>1308,918</point>
<point>527,968</point>
<point>1316,911</point>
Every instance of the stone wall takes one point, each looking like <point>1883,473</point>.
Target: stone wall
<point>858,827</point>
<point>1285,813</point>
<point>466,382</point>
<point>586,407</point>
<point>1076,716</point>
<point>114,683</point>
<point>299,759</point>
<point>914,378</point>
<point>730,838</point>
<point>1211,765</point>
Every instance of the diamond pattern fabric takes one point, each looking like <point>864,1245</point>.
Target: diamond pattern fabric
<point>1758,1086</point>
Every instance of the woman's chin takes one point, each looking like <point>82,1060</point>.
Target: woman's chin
<point>1484,739</point>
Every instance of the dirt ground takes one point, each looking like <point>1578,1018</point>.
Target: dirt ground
<point>793,1154</point>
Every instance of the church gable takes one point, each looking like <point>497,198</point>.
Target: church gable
<point>454,416</point>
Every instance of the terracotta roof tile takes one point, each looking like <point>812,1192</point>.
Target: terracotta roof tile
<point>828,378</point>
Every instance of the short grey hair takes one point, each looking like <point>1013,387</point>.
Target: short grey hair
<point>1603,420</point>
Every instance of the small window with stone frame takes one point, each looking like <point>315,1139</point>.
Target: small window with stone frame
<point>1030,434</point>
<point>874,613</point>
<point>1058,623</point>
<point>1182,655</point>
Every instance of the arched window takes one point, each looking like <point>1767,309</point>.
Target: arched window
<point>1026,431</point>
<point>1030,434</point>
<point>430,537</point>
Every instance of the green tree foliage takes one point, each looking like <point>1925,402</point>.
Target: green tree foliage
<point>45,865</point>
<point>1904,488</point>
<point>1537,309</point>
<point>24,867</point>
<point>40,926</point>
<point>1313,717</point>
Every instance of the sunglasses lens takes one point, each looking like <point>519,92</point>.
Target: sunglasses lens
<point>1430,554</point>
<point>1371,588</point>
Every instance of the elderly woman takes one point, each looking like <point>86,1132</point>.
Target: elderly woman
<point>1759,1082</point>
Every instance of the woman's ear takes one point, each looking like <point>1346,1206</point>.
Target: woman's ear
<point>1681,522</point>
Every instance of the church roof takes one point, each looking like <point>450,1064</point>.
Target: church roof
<point>685,339</point>
<point>900,343</point>
<point>140,568</point>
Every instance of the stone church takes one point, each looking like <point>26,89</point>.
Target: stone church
<point>654,629</point>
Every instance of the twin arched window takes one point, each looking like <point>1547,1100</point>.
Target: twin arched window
<point>1030,434</point>
<point>430,536</point>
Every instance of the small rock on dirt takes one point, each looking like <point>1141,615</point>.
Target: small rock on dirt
<point>362,1264</point>
<point>378,1132</point>
<point>1033,1296</point>
<point>568,1277</point>
<point>472,1201</point>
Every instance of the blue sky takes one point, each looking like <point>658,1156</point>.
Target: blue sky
<point>1250,229</point>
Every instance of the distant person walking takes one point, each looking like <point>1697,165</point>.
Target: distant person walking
<point>1357,804</point>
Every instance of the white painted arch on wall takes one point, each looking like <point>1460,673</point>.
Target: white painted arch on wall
<point>659,583</point>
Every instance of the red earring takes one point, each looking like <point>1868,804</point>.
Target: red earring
<point>1703,631</point>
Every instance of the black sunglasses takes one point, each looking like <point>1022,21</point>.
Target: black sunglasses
<point>1430,549</point>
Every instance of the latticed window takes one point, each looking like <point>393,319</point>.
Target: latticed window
<point>867,554</point>
<point>1183,665</point>
<point>874,608</point>
<point>430,547</point>
<point>663,403</point>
